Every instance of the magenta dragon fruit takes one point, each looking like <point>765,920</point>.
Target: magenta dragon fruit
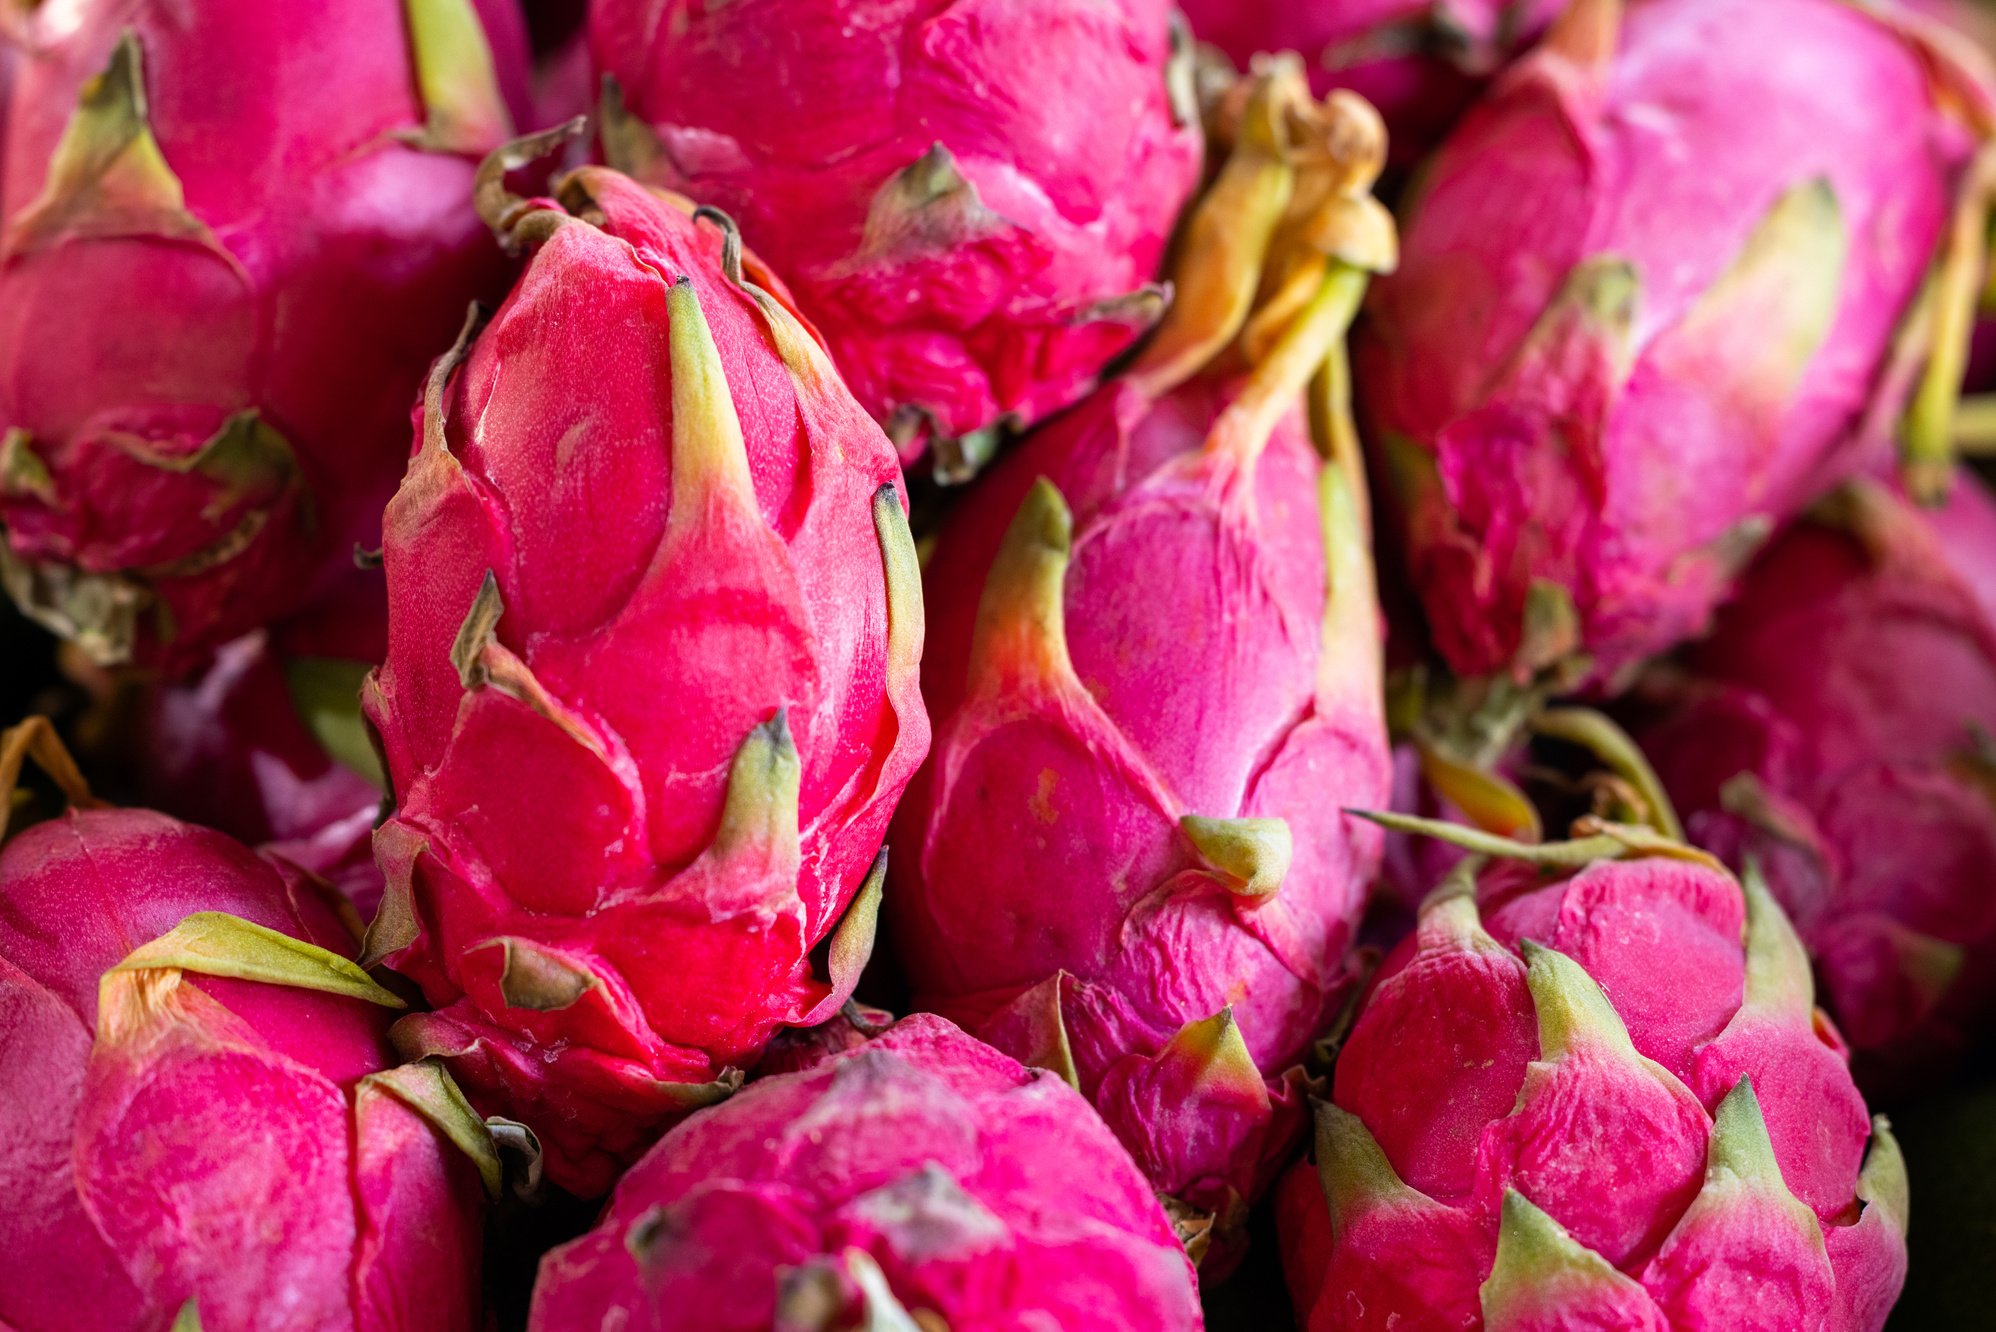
<point>1837,728</point>
<point>203,1125</point>
<point>970,197</point>
<point>920,1180</point>
<point>642,482</point>
<point>235,236</point>
<point>1605,1101</point>
<point>1657,295</point>
<point>1127,858</point>
<point>1421,62</point>
<point>267,743</point>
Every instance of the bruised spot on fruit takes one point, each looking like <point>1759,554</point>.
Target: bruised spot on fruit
<point>1042,799</point>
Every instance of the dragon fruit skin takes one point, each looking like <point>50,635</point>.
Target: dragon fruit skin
<point>1639,1123</point>
<point>920,1179</point>
<point>1834,728</point>
<point>1421,63</point>
<point>221,1140</point>
<point>175,476</point>
<point>1629,334</point>
<point>990,247</point>
<point>1245,709</point>
<point>1128,858</point>
<point>612,941</point>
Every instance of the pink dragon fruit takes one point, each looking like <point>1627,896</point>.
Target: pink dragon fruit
<point>921,1180</point>
<point>643,479</point>
<point>202,1121</point>
<point>1421,62</point>
<point>1588,1104</point>
<point>235,235</point>
<point>970,197</point>
<point>1837,727</point>
<point>268,746</point>
<point>1128,858</point>
<point>1656,297</point>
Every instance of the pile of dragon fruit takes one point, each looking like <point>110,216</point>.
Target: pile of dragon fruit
<point>997,665</point>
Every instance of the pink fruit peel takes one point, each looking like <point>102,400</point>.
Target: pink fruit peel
<point>223,269</point>
<point>1638,1122</point>
<point>642,475</point>
<point>1127,858</point>
<point>919,1179</point>
<point>969,197</point>
<point>1629,336</point>
<point>1834,728</point>
<point>201,1108</point>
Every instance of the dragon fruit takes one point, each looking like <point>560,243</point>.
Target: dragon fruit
<point>1127,858</point>
<point>1837,728</point>
<point>1657,295</point>
<point>199,1106</point>
<point>920,1180</point>
<point>235,235</point>
<point>644,477</point>
<point>970,197</point>
<point>1421,62</point>
<point>1602,1101</point>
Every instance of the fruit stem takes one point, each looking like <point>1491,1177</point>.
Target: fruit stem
<point>1975,426</point>
<point>1278,382</point>
<point>36,738</point>
<point>1927,452</point>
<point>1225,245</point>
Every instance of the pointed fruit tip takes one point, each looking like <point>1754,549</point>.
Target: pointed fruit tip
<point>1540,1269</point>
<point>1253,855</point>
<point>1882,1181</point>
<point>709,453</point>
<point>759,814</point>
<point>1571,1009</point>
<point>1778,976</point>
<point>1215,1056</point>
<point>1352,1168</point>
<point>1021,631</point>
<point>1740,1144</point>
